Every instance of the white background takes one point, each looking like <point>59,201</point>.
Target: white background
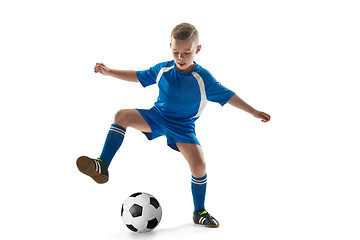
<point>296,177</point>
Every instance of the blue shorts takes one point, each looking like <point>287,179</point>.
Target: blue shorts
<point>175,131</point>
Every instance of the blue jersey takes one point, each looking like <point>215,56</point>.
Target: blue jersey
<point>183,96</point>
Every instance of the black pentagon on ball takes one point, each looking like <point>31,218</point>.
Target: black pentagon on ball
<point>132,228</point>
<point>122,210</point>
<point>152,223</point>
<point>136,210</point>
<point>136,194</point>
<point>154,202</point>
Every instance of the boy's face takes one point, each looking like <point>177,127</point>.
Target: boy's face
<point>183,52</point>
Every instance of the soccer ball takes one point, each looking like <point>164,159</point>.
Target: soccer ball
<point>141,212</point>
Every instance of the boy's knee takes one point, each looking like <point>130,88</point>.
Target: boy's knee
<point>199,170</point>
<point>122,118</point>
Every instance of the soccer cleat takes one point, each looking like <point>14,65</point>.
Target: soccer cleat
<point>205,219</point>
<point>94,168</point>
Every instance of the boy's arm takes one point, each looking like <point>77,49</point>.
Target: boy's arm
<point>236,101</point>
<point>127,75</point>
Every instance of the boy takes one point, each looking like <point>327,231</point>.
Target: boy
<point>184,89</point>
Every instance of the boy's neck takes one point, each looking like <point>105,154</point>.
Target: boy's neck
<point>189,69</point>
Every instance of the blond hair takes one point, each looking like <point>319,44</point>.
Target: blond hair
<point>185,31</point>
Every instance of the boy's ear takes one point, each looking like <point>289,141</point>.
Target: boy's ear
<point>198,48</point>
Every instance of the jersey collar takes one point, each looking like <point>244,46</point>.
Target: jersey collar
<point>180,72</point>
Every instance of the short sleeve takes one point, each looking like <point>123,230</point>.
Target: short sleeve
<point>216,92</point>
<point>148,77</point>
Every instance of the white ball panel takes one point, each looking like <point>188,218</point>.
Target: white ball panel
<point>127,218</point>
<point>158,213</point>
<point>148,212</point>
<point>139,222</point>
<point>144,230</point>
<point>142,200</point>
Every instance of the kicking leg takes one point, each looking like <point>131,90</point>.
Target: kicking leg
<point>123,119</point>
<point>131,118</point>
<point>97,168</point>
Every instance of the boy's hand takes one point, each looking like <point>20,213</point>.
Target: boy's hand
<point>101,68</point>
<point>263,116</point>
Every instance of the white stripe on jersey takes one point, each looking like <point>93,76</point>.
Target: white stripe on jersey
<point>164,69</point>
<point>203,100</point>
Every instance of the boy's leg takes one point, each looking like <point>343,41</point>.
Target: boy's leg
<point>97,168</point>
<point>131,118</point>
<point>123,119</point>
<point>194,155</point>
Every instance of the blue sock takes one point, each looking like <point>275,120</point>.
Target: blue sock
<point>198,188</point>
<point>113,142</point>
